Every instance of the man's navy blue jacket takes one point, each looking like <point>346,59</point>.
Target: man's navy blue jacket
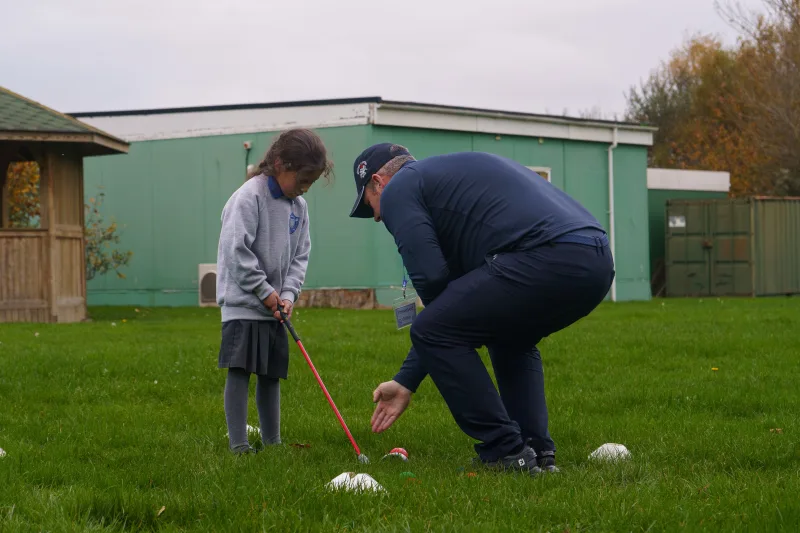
<point>449,214</point>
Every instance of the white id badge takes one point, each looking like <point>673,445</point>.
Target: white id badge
<point>405,310</point>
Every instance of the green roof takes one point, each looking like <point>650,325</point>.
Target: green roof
<point>22,117</point>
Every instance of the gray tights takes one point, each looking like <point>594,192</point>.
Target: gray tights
<point>268,398</point>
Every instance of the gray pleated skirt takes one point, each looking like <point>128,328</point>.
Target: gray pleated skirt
<point>257,346</point>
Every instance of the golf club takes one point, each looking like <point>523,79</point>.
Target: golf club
<point>361,457</point>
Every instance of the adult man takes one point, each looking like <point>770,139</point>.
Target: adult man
<point>500,258</point>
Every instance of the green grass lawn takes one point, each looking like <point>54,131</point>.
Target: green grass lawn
<point>105,425</point>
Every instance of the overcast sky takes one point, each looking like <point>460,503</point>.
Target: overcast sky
<point>541,56</point>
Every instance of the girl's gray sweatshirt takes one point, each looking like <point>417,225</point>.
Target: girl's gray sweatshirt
<point>264,246</point>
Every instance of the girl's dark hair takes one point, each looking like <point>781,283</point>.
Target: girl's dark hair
<point>298,149</point>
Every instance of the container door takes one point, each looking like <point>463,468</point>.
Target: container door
<point>732,261</point>
<point>687,261</point>
<point>776,247</point>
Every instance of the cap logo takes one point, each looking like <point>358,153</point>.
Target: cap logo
<point>362,169</point>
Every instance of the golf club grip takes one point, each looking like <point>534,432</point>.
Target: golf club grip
<point>289,326</point>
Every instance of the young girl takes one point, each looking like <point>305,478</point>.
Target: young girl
<point>261,264</point>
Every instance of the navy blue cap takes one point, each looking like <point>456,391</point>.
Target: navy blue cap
<point>366,164</point>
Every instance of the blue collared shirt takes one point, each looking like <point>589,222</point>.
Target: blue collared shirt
<point>274,188</point>
<point>276,192</point>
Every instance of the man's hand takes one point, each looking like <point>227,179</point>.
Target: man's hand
<point>392,399</point>
<point>287,310</point>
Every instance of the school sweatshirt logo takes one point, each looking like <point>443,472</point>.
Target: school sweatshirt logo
<point>294,221</point>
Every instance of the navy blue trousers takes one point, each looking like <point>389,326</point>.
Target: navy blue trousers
<point>508,305</point>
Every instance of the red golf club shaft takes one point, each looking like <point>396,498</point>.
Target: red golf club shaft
<point>319,380</point>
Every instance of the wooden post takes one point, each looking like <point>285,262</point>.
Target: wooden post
<point>7,156</point>
<point>5,206</point>
<point>47,172</point>
<point>82,268</point>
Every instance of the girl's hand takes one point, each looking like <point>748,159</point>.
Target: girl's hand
<point>272,302</point>
<point>287,308</point>
<point>286,305</point>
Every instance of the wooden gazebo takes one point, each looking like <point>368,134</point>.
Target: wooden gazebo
<point>42,264</point>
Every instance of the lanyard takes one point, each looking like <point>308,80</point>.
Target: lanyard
<point>404,311</point>
<point>405,278</point>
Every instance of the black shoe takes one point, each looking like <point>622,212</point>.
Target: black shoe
<point>547,461</point>
<point>244,449</point>
<point>524,461</point>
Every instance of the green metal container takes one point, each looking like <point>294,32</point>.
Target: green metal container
<point>657,204</point>
<point>733,247</point>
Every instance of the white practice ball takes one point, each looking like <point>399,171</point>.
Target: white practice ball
<point>610,452</point>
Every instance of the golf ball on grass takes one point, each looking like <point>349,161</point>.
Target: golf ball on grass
<point>2,452</point>
<point>400,453</point>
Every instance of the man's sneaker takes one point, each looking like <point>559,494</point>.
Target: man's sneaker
<point>547,461</point>
<point>524,461</point>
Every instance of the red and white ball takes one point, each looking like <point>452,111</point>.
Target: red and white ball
<point>398,452</point>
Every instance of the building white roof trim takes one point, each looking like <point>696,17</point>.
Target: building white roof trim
<point>688,180</point>
<point>197,122</point>
<point>499,123</point>
<point>181,124</point>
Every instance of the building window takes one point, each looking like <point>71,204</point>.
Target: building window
<point>544,172</point>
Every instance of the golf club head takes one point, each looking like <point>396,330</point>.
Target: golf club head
<point>363,458</point>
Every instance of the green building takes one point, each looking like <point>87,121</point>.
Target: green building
<point>669,184</point>
<point>183,164</point>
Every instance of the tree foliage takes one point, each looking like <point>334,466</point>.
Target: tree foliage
<point>100,257</point>
<point>735,109</point>
<point>22,181</point>
<point>770,55</point>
